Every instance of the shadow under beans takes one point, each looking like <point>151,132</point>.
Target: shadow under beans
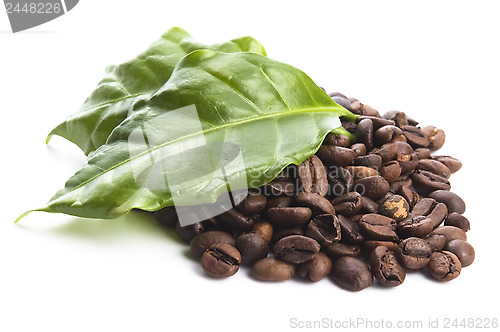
<point>135,224</point>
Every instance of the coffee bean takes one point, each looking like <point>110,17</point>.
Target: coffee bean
<point>452,201</point>
<point>348,204</point>
<point>368,205</point>
<point>390,171</point>
<point>394,207</point>
<point>403,148</point>
<point>463,250</point>
<point>317,268</point>
<point>317,203</point>
<point>387,151</point>
<point>457,220</point>
<point>386,268</point>
<point>340,180</point>
<point>295,249</point>
<point>280,201</point>
<point>312,176</point>
<point>370,245</point>
<point>453,164</point>
<point>399,118</point>
<point>376,121</point>
<point>284,232</point>
<point>280,188</point>
<point>290,216</point>
<point>359,172</point>
<point>359,149</point>
<point>444,265</point>
<point>374,187</point>
<point>342,101</point>
<point>349,231</point>
<point>253,203</point>
<point>435,167</point>
<point>338,140</point>
<point>335,155</point>
<point>369,160</point>
<point>414,253</point>
<point>437,242</point>
<point>367,110</point>
<point>200,243</point>
<point>378,227</point>
<point>423,153</point>
<point>351,273</point>
<point>264,229</point>
<point>187,233</point>
<point>338,249</point>
<point>386,134</point>
<point>252,248</point>
<point>411,196</point>
<point>450,233</point>
<point>325,229</point>
<point>364,133</point>
<point>221,260</point>
<point>234,219</point>
<point>426,182</point>
<point>167,216</point>
<point>415,136</point>
<point>436,137</point>
<point>272,269</point>
<point>407,162</point>
<point>425,216</point>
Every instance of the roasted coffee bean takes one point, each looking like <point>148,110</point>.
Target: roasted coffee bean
<point>437,242</point>
<point>280,201</point>
<point>423,153</point>
<point>264,229</point>
<point>399,118</point>
<point>426,182</point>
<point>221,260</point>
<point>453,164</point>
<point>368,205</point>
<point>411,196</point>
<point>351,273</point>
<point>359,149</point>
<point>284,232</point>
<point>370,245</point>
<point>201,242</point>
<point>387,151</point>
<point>272,269</point>
<point>436,137</point>
<point>312,176</point>
<point>403,148</point>
<point>424,207</point>
<point>377,121</point>
<point>457,220</point>
<point>359,172</point>
<point>374,187</point>
<point>390,171</point>
<point>356,106</point>
<point>280,188</point>
<point>167,216</point>
<point>253,203</point>
<point>338,249</point>
<point>450,233</point>
<point>295,249</point>
<point>290,216</point>
<point>369,160</point>
<point>415,136</point>
<point>340,181</point>
<point>463,250</point>
<point>332,155</point>
<point>348,204</point>
<point>386,268</point>
<point>364,133</point>
<point>338,140</point>
<point>342,101</point>
<point>407,162</point>
<point>367,110</point>
<point>452,201</point>
<point>317,203</point>
<point>187,233</point>
<point>435,167</point>
<point>421,222</point>
<point>335,93</point>
<point>414,253</point>
<point>325,229</point>
<point>349,126</point>
<point>317,268</point>
<point>234,219</point>
<point>444,265</point>
<point>349,231</point>
<point>252,248</point>
<point>394,207</point>
<point>386,134</point>
<point>378,227</point>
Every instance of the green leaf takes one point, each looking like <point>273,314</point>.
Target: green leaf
<point>273,113</point>
<point>126,85</point>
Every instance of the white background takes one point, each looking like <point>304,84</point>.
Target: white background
<point>435,60</point>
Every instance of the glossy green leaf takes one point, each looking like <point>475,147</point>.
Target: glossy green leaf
<point>274,113</point>
<point>127,85</point>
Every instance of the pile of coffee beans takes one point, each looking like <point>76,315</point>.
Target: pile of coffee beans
<point>374,208</point>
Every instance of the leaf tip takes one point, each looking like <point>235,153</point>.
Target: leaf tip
<point>22,216</point>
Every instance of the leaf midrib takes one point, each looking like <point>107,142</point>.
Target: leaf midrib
<point>219,127</point>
